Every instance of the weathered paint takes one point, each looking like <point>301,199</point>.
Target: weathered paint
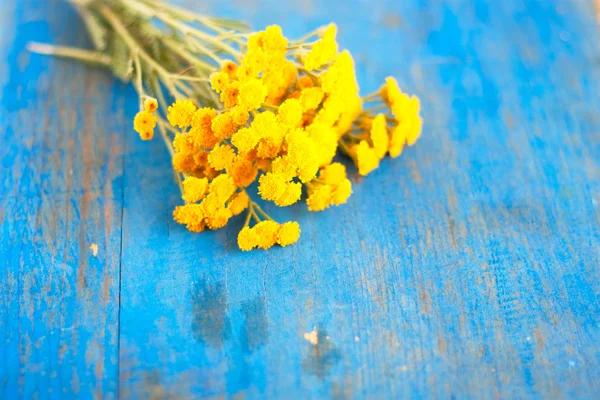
<point>466,268</point>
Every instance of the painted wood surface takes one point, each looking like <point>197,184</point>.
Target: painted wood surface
<point>467,268</point>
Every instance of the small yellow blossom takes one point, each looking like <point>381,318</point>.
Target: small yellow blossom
<point>289,233</point>
<point>202,118</point>
<point>239,116</point>
<point>223,186</point>
<point>305,82</point>
<point>229,67</point>
<point>397,141</point>
<point>150,104</point>
<point>190,215</point>
<point>292,193</point>
<point>219,219</point>
<point>181,112</point>
<point>379,136</point>
<point>271,186</point>
<point>323,51</point>
<point>194,189</point>
<point>144,122</point>
<point>221,157</point>
<point>223,125</point>
<point>284,167</point>
<point>239,203</point>
<point>311,98</point>
<point>211,204</point>
<point>290,113</point>
<point>247,239</point>
<point>366,158</point>
<point>219,81</point>
<point>390,91</point>
<point>229,95</point>
<point>267,233</point>
<point>147,135</point>
<point>333,174</point>
<point>252,94</point>
<point>273,40</point>
<point>342,192</point>
<point>245,139</point>
<point>319,199</point>
<point>243,172</point>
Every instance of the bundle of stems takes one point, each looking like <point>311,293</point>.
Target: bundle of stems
<point>166,51</point>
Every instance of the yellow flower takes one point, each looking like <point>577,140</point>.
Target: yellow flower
<point>415,121</point>
<point>150,104</point>
<point>311,98</point>
<point>292,193</point>
<point>284,167</point>
<point>211,204</point>
<point>342,192</point>
<point>325,141</point>
<point>323,51</point>
<point>304,82</point>
<point>221,157</point>
<point>229,95</point>
<point>319,198</point>
<point>181,112</point>
<point>390,92</point>
<point>202,119</point>
<point>229,67</point>
<point>271,186</point>
<point>239,203</point>
<point>240,116</point>
<point>223,186</point>
<point>194,189</point>
<point>290,113</point>
<point>366,158</point>
<point>245,139</point>
<point>397,140</point>
<point>289,233</point>
<point>267,127</point>
<point>267,233</point>
<point>190,215</point>
<point>147,135</point>
<point>247,239</point>
<point>302,154</point>
<point>219,81</point>
<point>243,172</point>
<point>183,162</point>
<point>144,122</point>
<point>202,138</point>
<point>219,219</point>
<point>273,40</point>
<point>333,174</point>
<point>223,125</point>
<point>252,94</point>
<point>379,135</point>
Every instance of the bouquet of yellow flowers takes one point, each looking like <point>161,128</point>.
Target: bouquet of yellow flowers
<point>246,107</point>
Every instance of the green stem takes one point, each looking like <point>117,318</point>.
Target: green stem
<point>264,214</point>
<point>93,57</point>
<point>121,30</point>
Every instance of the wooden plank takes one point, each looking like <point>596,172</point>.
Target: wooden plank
<point>61,213</point>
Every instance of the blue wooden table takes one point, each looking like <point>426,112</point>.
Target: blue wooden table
<point>467,268</point>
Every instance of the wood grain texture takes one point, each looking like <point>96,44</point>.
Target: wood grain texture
<point>467,268</point>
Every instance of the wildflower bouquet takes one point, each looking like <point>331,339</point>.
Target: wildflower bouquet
<point>246,107</point>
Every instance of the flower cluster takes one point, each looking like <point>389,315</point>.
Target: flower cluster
<point>145,121</point>
<point>249,108</point>
<point>285,110</point>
